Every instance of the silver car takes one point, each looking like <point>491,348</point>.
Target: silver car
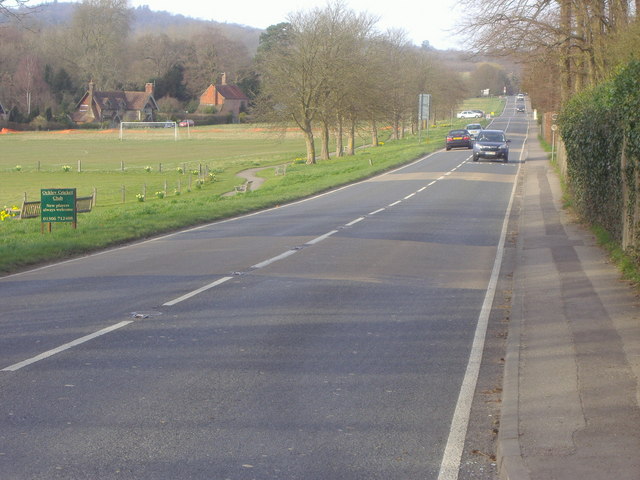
<point>474,129</point>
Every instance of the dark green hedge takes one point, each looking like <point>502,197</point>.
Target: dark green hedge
<point>594,125</point>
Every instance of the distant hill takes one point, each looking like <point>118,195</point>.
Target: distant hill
<point>147,20</point>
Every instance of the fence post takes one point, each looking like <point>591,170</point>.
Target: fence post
<point>122,165</point>
<point>123,194</point>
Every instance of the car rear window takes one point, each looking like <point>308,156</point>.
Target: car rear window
<point>458,132</point>
<point>491,137</point>
<point>474,126</point>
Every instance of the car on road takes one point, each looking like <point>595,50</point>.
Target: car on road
<point>458,139</point>
<point>520,109</point>
<point>491,144</point>
<point>474,129</point>
<point>469,114</point>
<point>187,123</point>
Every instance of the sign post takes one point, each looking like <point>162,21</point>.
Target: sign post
<point>58,205</point>
<point>424,106</point>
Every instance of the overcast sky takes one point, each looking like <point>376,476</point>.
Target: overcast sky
<point>428,21</point>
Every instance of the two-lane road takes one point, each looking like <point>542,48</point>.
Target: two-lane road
<point>326,339</point>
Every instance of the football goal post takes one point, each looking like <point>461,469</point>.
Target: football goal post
<point>149,130</point>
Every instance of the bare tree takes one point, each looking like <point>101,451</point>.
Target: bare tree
<point>30,82</point>
<point>97,40</point>
<point>574,33</point>
<point>14,9</point>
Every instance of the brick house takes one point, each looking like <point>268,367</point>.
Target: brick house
<point>116,107</point>
<point>225,97</point>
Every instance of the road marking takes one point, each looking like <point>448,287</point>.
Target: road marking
<point>321,237</point>
<point>450,465</point>
<point>377,211</point>
<point>353,222</point>
<point>268,262</point>
<point>196,292</point>
<point>409,196</point>
<point>66,346</point>
<point>395,203</point>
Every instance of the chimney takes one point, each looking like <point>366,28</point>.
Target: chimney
<point>224,79</point>
<point>148,88</point>
<point>90,100</point>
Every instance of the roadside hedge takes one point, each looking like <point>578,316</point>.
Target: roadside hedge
<point>601,131</point>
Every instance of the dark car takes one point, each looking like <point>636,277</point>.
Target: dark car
<point>458,139</point>
<point>520,109</point>
<point>491,144</point>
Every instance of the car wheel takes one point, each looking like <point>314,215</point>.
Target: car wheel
<point>475,158</point>
<point>505,159</point>
<point>448,148</point>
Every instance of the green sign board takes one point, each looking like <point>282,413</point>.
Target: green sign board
<point>58,205</point>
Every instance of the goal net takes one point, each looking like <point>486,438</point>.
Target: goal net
<point>149,130</point>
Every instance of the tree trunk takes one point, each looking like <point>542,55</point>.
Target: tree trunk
<point>374,131</point>
<point>351,144</point>
<point>311,148</point>
<point>324,141</point>
<point>339,144</point>
<point>566,74</point>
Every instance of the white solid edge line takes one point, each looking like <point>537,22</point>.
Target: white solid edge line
<point>196,292</point>
<point>450,465</point>
<point>66,346</point>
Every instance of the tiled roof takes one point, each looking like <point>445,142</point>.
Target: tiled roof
<point>231,92</point>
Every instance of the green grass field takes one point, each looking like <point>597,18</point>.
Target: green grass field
<point>192,174</point>
<point>34,160</point>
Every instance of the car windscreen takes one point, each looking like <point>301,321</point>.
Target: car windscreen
<point>491,137</point>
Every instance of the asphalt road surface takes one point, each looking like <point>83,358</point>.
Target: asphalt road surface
<point>334,338</point>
